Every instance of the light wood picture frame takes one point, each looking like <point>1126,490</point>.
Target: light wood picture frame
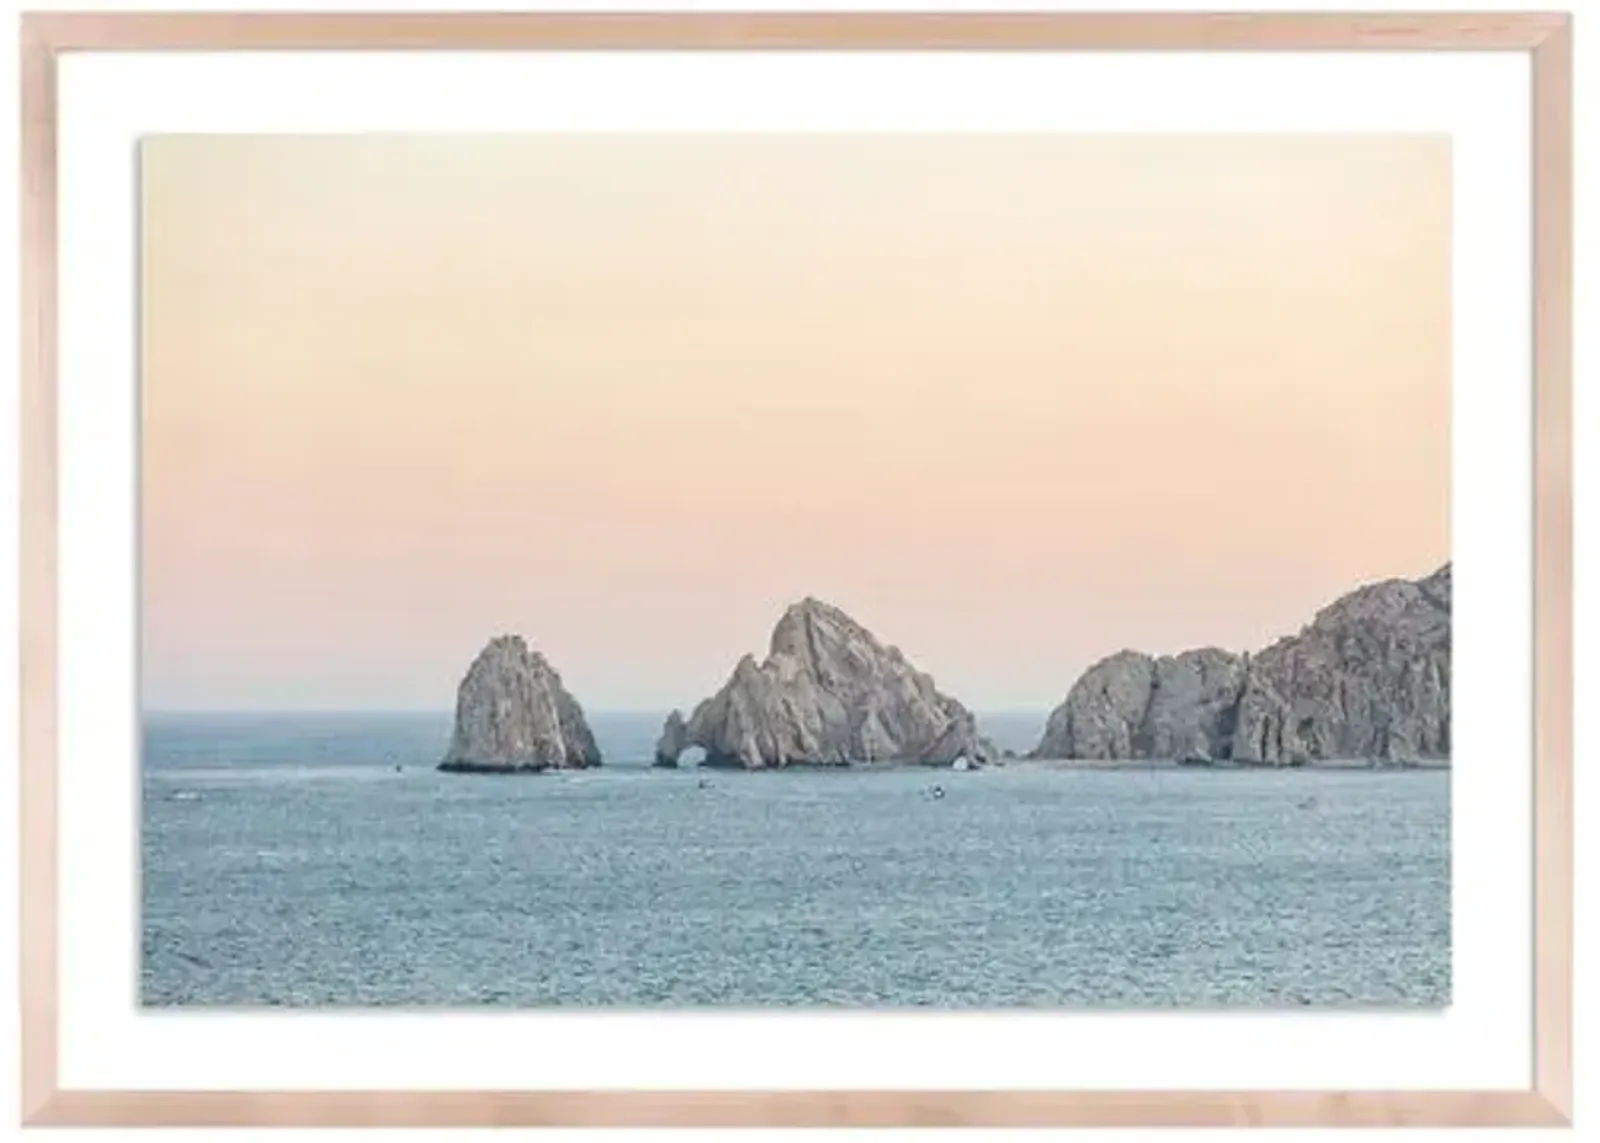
<point>1545,37</point>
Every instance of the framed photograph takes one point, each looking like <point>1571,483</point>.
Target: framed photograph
<point>777,569</point>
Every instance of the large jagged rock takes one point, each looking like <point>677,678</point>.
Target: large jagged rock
<point>828,694</point>
<point>513,714</point>
<point>1133,705</point>
<point>1102,712</point>
<point>1368,678</point>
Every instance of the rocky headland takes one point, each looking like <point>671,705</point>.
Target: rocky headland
<point>827,694</point>
<point>1368,678</point>
<point>513,715</point>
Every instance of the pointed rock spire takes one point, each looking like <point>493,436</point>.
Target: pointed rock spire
<point>512,713</point>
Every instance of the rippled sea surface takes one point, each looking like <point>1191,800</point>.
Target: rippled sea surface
<point>320,860</point>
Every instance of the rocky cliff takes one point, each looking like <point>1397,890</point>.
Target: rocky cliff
<point>827,694</point>
<point>1138,706</point>
<point>673,742</point>
<point>1368,678</point>
<point>513,714</point>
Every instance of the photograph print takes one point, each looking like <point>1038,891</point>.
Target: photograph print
<point>675,571</point>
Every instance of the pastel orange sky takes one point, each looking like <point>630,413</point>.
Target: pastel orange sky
<point>1015,402</point>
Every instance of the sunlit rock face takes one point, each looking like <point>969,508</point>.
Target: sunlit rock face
<point>513,714</point>
<point>1368,678</point>
<point>1133,705</point>
<point>827,694</point>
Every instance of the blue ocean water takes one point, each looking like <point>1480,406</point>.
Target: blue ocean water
<point>321,860</point>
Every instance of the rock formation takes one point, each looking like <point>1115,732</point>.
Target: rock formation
<point>673,742</point>
<point>513,714</point>
<point>1136,706</point>
<point>1368,678</point>
<point>828,694</point>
